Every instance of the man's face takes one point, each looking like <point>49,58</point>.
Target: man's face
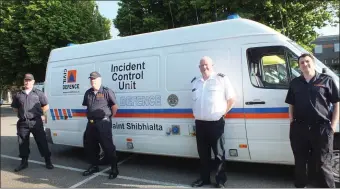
<point>205,66</point>
<point>95,83</point>
<point>28,83</point>
<point>306,64</point>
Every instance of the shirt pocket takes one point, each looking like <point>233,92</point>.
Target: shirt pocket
<point>215,92</point>
<point>195,94</point>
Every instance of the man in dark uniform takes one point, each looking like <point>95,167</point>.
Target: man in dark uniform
<point>312,123</point>
<point>31,104</point>
<point>101,106</point>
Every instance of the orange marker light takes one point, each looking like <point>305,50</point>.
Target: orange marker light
<point>129,140</point>
<point>243,146</point>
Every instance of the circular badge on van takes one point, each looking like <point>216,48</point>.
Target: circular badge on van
<point>172,100</point>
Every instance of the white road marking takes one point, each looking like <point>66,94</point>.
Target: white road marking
<point>43,163</point>
<point>89,178</point>
<point>97,174</point>
<point>102,173</point>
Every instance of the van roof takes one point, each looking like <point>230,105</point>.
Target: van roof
<point>188,34</point>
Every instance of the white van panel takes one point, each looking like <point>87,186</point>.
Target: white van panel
<point>131,75</point>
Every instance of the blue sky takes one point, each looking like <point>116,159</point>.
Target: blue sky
<point>109,10</point>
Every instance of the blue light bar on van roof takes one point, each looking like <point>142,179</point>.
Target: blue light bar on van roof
<point>70,44</point>
<point>233,16</point>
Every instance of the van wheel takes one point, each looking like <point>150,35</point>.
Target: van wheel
<point>336,165</point>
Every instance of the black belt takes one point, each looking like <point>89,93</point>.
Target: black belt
<point>29,119</point>
<point>97,119</point>
<point>320,122</point>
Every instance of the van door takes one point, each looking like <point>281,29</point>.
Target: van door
<point>266,76</point>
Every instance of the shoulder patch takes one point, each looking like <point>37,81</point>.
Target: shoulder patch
<point>221,74</point>
<point>193,79</point>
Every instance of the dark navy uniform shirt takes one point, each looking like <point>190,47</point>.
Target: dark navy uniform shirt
<point>29,106</point>
<point>312,100</point>
<point>99,105</point>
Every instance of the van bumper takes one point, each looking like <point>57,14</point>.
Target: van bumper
<point>48,135</point>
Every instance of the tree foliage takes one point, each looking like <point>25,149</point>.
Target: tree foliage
<point>30,29</point>
<point>296,19</point>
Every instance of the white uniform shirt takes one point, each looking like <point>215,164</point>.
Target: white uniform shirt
<point>209,98</point>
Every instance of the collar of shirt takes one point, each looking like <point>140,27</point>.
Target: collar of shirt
<point>27,91</point>
<point>317,75</point>
<point>212,76</point>
<point>100,89</point>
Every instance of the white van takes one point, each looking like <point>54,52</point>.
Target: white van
<point>151,75</point>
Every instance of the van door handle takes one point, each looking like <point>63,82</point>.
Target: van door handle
<point>255,102</point>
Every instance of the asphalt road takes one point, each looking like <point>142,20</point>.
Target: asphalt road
<point>136,170</point>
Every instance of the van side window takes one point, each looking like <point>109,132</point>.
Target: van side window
<point>271,67</point>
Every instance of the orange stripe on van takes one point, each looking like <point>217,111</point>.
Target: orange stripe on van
<point>56,114</point>
<point>79,114</point>
<point>266,116</point>
<point>65,113</point>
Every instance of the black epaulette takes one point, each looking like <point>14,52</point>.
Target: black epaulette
<point>106,88</point>
<point>193,79</point>
<point>221,74</point>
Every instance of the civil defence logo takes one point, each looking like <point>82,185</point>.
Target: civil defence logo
<point>70,80</point>
<point>71,76</point>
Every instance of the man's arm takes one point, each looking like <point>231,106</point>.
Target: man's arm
<point>44,105</point>
<point>112,102</point>
<point>335,118</point>
<point>290,99</point>
<point>229,94</point>
<point>335,99</point>
<point>291,113</point>
<point>15,104</point>
<point>114,109</point>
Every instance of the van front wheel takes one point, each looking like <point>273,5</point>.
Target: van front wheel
<point>336,165</point>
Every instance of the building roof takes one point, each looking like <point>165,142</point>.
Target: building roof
<point>326,38</point>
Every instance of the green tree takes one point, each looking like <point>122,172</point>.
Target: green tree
<point>295,19</point>
<point>30,29</point>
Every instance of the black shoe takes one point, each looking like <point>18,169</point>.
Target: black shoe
<point>23,165</point>
<point>92,169</point>
<point>48,163</point>
<point>114,172</point>
<point>199,183</point>
<point>220,185</point>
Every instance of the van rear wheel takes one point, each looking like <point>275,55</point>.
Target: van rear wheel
<point>336,165</point>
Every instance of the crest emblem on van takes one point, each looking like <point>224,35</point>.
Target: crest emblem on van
<point>172,100</point>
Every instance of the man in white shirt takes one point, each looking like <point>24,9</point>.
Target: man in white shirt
<point>213,96</point>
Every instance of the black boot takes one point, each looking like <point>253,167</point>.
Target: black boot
<point>23,165</point>
<point>92,169</point>
<point>48,163</point>
<point>114,171</point>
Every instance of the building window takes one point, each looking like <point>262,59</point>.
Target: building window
<point>318,49</point>
<point>336,47</point>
